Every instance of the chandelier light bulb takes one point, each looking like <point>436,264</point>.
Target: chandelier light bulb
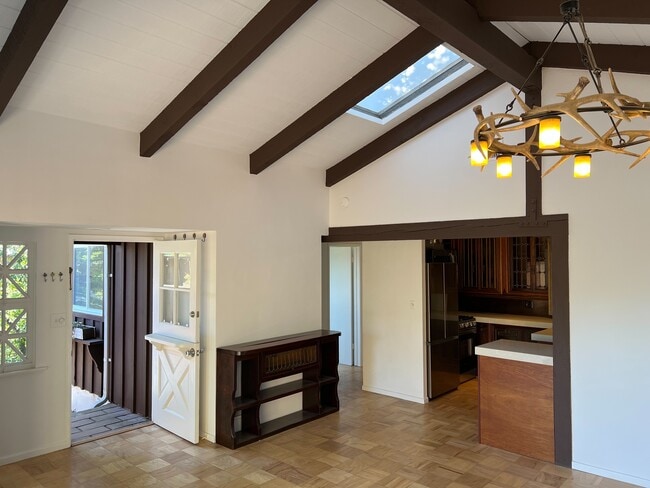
<point>549,133</point>
<point>504,166</point>
<point>582,166</point>
<point>476,158</point>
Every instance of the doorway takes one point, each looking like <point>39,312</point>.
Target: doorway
<point>345,300</point>
<point>111,310</point>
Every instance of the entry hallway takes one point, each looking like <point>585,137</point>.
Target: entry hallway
<point>373,441</point>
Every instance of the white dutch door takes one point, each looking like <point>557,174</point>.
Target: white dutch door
<point>175,338</point>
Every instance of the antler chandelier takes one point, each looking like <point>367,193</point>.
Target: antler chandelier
<point>546,121</point>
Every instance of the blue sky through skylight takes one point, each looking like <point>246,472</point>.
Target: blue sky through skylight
<point>410,80</point>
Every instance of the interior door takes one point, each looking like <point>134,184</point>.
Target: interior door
<point>175,338</point>
<point>341,300</point>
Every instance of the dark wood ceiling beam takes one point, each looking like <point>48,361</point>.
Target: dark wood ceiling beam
<point>32,27</point>
<point>622,59</point>
<point>416,124</point>
<point>269,24</point>
<point>597,11</point>
<point>392,62</point>
<point>457,23</point>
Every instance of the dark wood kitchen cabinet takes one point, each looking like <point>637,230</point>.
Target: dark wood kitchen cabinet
<point>504,266</point>
<point>528,266</point>
<point>244,370</point>
<point>480,265</point>
<point>493,332</point>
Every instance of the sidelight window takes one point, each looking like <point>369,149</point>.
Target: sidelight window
<point>16,305</point>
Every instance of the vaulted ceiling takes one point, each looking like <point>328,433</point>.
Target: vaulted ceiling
<point>273,79</point>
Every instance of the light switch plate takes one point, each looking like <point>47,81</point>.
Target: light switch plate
<point>57,320</point>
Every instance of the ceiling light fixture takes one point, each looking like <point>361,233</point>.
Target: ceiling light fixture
<point>547,119</point>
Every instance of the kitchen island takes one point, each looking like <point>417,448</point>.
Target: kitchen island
<point>516,397</point>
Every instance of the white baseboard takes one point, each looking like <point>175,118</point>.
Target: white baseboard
<point>15,457</point>
<point>611,474</point>
<point>394,394</point>
<point>210,437</point>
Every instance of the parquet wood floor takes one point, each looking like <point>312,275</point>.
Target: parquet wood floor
<point>373,441</point>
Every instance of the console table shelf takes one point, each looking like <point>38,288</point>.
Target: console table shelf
<point>315,354</point>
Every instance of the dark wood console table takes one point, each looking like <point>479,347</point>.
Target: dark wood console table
<point>315,354</point>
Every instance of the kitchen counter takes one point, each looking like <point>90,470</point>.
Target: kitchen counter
<point>527,352</point>
<point>545,335</point>
<point>515,320</point>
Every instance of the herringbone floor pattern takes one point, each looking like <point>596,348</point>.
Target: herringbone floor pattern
<point>373,441</point>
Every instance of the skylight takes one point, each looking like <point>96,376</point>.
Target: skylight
<point>414,81</point>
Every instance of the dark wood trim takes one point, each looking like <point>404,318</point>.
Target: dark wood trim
<point>269,24</point>
<point>392,62</point>
<point>622,59</point>
<point>32,27</point>
<point>459,24</point>
<point>439,110</point>
<point>598,11</point>
<point>450,229</point>
<point>554,226</point>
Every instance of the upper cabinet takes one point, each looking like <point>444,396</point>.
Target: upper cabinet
<point>528,265</point>
<point>513,266</point>
<point>480,265</point>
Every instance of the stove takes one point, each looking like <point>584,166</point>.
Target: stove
<point>466,342</point>
<point>466,324</point>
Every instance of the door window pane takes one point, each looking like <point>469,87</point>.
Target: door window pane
<point>184,275</point>
<point>183,303</point>
<point>167,306</point>
<point>167,263</point>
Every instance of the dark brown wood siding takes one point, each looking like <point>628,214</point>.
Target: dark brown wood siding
<point>130,295</point>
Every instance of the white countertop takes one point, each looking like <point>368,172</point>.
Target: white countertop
<point>545,335</point>
<point>527,352</point>
<point>516,320</point>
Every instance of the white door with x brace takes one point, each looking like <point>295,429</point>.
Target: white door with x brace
<point>175,338</point>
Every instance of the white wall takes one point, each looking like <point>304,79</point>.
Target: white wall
<point>35,404</point>
<point>267,252</point>
<point>428,179</point>
<point>609,232</point>
<point>392,318</point>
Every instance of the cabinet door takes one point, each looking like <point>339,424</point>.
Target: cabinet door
<point>528,265</point>
<point>479,265</point>
<point>484,333</point>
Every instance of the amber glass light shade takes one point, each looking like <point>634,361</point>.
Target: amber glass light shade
<point>476,158</point>
<point>504,166</point>
<point>582,166</point>
<point>549,133</point>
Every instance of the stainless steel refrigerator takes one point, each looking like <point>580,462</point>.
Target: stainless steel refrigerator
<point>442,326</point>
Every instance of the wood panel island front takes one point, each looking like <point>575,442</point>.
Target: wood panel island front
<point>516,397</point>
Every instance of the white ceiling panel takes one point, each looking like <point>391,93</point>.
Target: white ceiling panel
<point>120,62</point>
<point>627,34</point>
